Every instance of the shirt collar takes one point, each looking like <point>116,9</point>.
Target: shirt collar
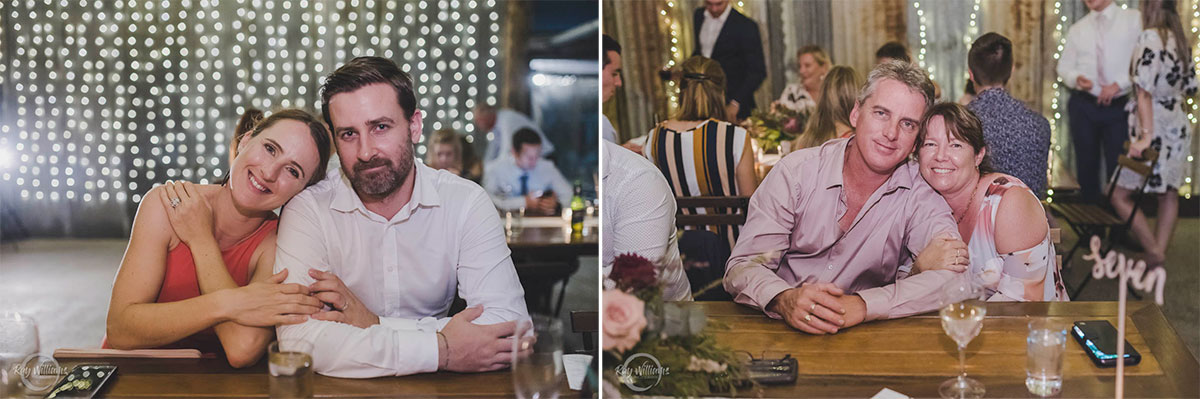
<point>832,166</point>
<point>724,15</point>
<point>1110,11</point>
<point>425,192</point>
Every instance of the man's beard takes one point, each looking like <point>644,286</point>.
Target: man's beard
<point>383,182</point>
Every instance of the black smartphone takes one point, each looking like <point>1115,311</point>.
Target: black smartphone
<point>83,381</point>
<point>1099,339</point>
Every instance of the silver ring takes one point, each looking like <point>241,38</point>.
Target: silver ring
<point>808,317</point>
<point>346,307</point>
<point>174,202</point>
<point>812,308</point>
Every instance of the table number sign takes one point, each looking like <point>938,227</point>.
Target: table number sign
<point>1126,270</point>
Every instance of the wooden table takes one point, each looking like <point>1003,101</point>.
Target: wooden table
<point>913,355</point>
<point>545,254</point>
<point>166,378</point>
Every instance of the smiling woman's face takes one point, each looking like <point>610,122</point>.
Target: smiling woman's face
<point>947,163</point>
<point>273,166</point>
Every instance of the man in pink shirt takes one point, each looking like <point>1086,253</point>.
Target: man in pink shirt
<point>829,228</point>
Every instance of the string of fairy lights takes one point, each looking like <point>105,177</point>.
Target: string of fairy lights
<point>924,42</point>
<point>675,57</point>
<point>103,99</point>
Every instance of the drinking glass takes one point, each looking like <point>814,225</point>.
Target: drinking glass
<point>539,373</point>
<point>18,340</point>
<point>1044,356</point>
<point>962,315</point>
<point>290,365</point>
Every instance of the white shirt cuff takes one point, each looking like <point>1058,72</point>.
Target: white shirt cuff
<point>425,324</point>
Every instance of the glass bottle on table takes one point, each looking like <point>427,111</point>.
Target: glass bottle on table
<point>578,211</point>
<point>962,314</point>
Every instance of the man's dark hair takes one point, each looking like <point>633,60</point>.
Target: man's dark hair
<point>523,137</point>
<point>363,71</point>
<point>990,59</point>
<point>610,44</point>
<point>894,50</point>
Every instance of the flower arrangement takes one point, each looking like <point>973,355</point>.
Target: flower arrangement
<point>776,125</point>
<point>654,347</point>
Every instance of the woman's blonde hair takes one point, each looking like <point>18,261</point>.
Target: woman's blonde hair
<point>817,52</point>
<point>838,93</point>
<point>701,90</point>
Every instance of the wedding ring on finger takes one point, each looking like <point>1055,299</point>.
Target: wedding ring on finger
<point>807,317</point>
<point>174,202</point>
<point>812,308</point>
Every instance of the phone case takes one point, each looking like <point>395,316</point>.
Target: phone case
<point>83,381</point>
<point>773,371</point>
<point>1088,333</point>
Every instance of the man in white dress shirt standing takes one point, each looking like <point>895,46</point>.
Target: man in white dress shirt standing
<point>389,242</point>
<point>1095,66</point>
<point>732,40</point>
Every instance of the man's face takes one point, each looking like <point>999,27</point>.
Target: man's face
<point>485,120</point>
<point>1097,5</point>
<point>885,125</point>
<point>715,7</point>
<point>374,139</point>
<point>611,76</point>
<point>528,155</point>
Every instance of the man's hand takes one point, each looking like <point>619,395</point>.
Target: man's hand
<point>731,111</point>
<point>631,146</point>
<point>472,348</point>
<point>1083,83</point>
<point>346,306</point>
<point>540,205</point>
<point>856,310</point>
<point>813,308</point>
<point>1107,93</point>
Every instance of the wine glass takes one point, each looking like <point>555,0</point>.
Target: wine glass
<point>18,340</point>
<point>962,313</point>
<point>538,373</point>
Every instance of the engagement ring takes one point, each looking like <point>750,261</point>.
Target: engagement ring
<point>174,202</point>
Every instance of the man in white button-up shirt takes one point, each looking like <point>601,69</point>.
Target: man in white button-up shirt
<point>1095,66</point>
<point>526,179</point>
<point>392,242</point>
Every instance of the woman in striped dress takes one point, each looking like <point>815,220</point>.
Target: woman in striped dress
<point>700,154</point>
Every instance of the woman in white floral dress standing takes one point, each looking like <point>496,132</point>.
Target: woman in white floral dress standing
<point>1163,77</point>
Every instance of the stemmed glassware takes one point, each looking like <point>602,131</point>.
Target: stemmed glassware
<point>962,313</point>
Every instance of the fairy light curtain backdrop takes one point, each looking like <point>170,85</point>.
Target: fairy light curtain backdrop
<point>101,99</point>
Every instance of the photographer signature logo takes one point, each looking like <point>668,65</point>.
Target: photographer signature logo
<point>38,372</point>
<point>641,372</point>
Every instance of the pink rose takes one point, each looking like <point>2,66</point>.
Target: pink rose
<point>624,320</point>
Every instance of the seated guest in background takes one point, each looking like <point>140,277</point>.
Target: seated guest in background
<point>527,180</point>
<point>500,125</point>
<point>1003,223</point>
<point>244,124</point>
<point>447,152</point>
<point>831,118</point>
<point>198,272</point>
<point>610,80</point>
<point>639,217</point>
<point>828,229</point>
<point>701,155</point>
<point>898,51</point>
<point>1164,79</point>
<point>812,64</point>
<point>969,93</point>
<point>1018,139</point>
<point>387,244</point>
<point>472,165</point>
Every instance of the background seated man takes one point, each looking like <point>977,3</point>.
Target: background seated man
<point>526,179</point>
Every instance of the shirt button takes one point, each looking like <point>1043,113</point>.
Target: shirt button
<point>391,268</point>
<point>830,267</point>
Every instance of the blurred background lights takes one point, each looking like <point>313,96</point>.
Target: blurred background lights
<point>102,100</point>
